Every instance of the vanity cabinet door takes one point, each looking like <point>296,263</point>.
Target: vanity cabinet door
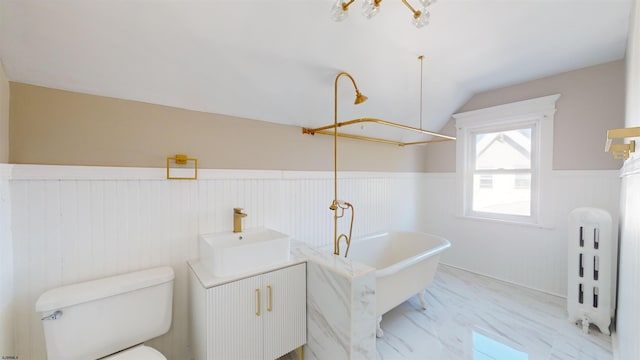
<point>285,320</point>
<point>260,317</point>
<point>235,320</point>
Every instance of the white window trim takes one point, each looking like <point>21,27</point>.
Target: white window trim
<point>541,112</point>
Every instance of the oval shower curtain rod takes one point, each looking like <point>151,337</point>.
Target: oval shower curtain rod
<point>323,130</point>
<point>360,99</point>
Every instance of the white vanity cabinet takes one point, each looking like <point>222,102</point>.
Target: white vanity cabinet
<point>258,317</point>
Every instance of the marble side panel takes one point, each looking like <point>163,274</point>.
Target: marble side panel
<point>328,314</point>
<point>363,317</point>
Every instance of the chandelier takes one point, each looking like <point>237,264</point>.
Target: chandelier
<point>370,8</point>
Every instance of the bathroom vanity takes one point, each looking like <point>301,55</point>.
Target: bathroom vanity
<point>260,314</point>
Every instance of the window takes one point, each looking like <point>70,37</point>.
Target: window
<point>503,160</point>
<point>500,157</point>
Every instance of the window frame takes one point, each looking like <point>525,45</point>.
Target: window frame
<point>536,113</point>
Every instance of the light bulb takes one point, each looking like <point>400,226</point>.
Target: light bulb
<point>422,20</point>
<point>369,8</point>
<point>338,13</point>
<point>426,3</point>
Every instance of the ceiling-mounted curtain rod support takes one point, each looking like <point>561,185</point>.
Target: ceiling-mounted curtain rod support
<point>322,130</point>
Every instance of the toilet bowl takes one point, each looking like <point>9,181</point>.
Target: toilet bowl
<point>108,318</point>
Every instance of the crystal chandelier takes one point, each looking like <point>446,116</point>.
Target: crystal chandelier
<point>370,8</point>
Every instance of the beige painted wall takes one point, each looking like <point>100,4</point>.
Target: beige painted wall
<point>51,126</point>
<point>592,100</point>
<point>4,116</point>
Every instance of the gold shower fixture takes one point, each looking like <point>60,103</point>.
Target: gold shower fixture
<point>621,150</point>
<point>340,205</point>
<point>370,8</point>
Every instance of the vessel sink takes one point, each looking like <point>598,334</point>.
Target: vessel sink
<point>229,253</point>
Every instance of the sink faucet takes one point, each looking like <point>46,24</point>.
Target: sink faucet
<point>237,219</point>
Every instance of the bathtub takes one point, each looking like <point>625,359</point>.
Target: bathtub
<point>405,264</point>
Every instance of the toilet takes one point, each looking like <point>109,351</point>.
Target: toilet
<point>108,318</point>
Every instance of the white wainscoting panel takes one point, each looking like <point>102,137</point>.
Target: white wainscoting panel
<point>6,265</point>
<point>526,255</point>
<point>73,224</point>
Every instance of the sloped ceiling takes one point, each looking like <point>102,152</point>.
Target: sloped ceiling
<point>276,60</point>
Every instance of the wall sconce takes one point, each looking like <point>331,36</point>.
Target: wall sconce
<point>182,168</point>
<point>621,151</point>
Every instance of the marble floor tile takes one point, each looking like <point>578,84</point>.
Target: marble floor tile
<point>472,317</point>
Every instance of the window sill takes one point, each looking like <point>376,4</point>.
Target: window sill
<point>506,222</point>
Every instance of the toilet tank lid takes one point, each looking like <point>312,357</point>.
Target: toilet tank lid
<point>69,295</point>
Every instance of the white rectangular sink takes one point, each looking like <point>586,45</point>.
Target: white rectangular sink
<point>228,253</point>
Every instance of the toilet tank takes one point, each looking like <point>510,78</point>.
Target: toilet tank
<point>97,318</point>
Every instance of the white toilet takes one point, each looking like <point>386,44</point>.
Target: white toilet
<point>108,318</point>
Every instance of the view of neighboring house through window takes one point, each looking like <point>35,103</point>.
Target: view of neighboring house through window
<point>502,171</point>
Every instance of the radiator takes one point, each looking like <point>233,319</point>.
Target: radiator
<point>589,286</point>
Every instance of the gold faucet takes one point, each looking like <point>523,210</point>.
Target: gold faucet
<point>237,219</point>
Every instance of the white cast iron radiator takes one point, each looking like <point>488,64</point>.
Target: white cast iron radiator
<point>589,287</point>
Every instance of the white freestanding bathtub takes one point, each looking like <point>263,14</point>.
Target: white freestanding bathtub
<point>405,264</point>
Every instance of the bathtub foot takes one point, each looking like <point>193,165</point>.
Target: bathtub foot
<point>585,325</point>
<point>423,301</point>
<point>379,332</point>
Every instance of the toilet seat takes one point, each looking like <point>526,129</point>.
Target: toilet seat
<point>139,352</point>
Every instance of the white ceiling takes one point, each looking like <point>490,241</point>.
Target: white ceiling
<point>276,60</point>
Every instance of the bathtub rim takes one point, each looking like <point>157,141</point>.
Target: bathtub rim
<point>391,269</point>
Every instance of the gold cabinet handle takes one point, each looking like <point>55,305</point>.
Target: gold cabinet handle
<point>259,306</point>
<point>269,305</point>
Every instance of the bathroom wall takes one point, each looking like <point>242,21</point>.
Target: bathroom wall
<point>626,345</point>
<point>51,126</point>
<point>530,256</point>
<point>592,101</point>
<point>76,223</point>
<point>6,248</point>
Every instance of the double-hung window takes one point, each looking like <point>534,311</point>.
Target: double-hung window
<point>501,170</point>
<point>504,160</point>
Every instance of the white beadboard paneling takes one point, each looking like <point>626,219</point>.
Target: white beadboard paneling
<point>525,255</point>
<point>6,265</point>
<point>72,224</point>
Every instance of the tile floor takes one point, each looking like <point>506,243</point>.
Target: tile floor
<point>472,317</point>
